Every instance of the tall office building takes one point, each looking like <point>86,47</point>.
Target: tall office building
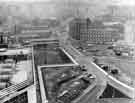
<point>93,32</point>
<point>74,28</point>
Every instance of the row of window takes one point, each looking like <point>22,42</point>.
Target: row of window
<point>88,37</point>
<point>97,32</point>
<point>96,35</point>
<point>97,39</point>
<point>92,30</point>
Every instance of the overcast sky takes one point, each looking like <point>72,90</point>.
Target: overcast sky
<point>119,2</point>
<point>24,0</point>
<point>124,2</point>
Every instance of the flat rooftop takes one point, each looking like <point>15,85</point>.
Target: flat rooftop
<point>16,51</point>
<point>45,54</point>
<point>51,75</point>
<point>15,74</point>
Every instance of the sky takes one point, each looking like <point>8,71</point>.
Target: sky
<point>118,2</point>
<point>24,0</point>
<point>124,2</point>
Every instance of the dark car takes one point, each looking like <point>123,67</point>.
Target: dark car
<point>105,68</point>
<point>114,71</point>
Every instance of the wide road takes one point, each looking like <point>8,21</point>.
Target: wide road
<point>85,60</point>
<point>92,95</point>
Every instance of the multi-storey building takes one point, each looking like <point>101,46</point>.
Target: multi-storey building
<point>99,36</point>
<point>74,29</point>
<point>28,32</point>
<point>93,32</point>
<point>34,29</point>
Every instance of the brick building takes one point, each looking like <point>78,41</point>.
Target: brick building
<point>92,32</point>
<point>99,36</point>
